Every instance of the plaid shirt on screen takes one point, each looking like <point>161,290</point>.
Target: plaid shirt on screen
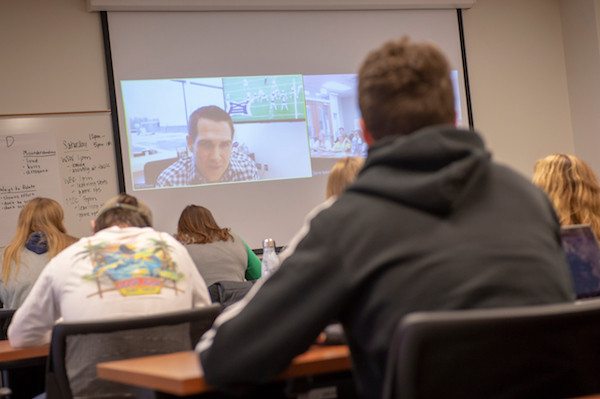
<point>183,172</point>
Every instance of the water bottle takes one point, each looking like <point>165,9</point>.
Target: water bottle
<point>270,259</point>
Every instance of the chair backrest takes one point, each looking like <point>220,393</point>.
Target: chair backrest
<point>549,351</point>
<point>153,169</point>
<point>229,292</point>
<point>5,318</point>
<point>77,347</point>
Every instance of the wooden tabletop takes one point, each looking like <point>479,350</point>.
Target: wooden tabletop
<point>9,354</point>
<point>180,373</point>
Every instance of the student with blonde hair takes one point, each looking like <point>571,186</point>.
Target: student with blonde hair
<point>573,188</point>
<point>40,236</point>
<point>342,174</point>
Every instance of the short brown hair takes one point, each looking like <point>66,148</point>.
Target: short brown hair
<point>198,226</point>
<point>404,86</point>
<point>212,113</point>
<point>123,210</point>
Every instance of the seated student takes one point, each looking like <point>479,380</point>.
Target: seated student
<point>573,188</point>
<point>40,236</point>
<point>430,223</point>
<point>338,146</point>
<point>90,280</point>
<point>219,254</point>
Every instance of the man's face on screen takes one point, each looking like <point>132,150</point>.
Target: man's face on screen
<point>211,148</point>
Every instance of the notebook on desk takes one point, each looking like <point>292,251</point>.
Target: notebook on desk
<point>583,256</point>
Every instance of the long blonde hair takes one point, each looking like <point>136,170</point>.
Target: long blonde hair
<point>39,214</point>
<point>573,188</point>
<point>342,174</point>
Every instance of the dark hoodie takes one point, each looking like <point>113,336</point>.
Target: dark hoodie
<point>431,223</point>
<point>438,166</point>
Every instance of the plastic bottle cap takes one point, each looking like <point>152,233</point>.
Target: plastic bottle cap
<point>268,243</point>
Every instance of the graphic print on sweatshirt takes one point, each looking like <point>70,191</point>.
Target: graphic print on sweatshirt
<point>134,268</point>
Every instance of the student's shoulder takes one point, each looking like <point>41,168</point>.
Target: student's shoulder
<point>153,234</point>
<point>174,244</point>
<point>514,183</point>
<point>335,213</point>
<point>236,237</point>
<point>75,252</point>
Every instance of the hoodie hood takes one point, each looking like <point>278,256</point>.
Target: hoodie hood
<point>432,169</point>
<point>37,242</point>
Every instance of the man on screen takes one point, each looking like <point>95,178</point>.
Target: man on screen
<point>430,223</point>
<point>214,159</point>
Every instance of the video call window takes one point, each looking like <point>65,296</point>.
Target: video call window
<point>285,127</point>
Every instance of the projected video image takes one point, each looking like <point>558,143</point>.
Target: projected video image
<point>263,128</point>
<point>236,135</point>
<point>264,98</point>
<point>333,116</point>
<point>332,120</point>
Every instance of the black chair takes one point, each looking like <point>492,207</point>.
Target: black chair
<point>5,318</point>
<point>550,351</point>
<point>229,292</point>
<point>22,378</point>
<point>76,348</point>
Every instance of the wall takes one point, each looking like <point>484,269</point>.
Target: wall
<point>518,79</point>
<point>52,65</point>
<point>52,58</point>
<point>582,58</point>
<point>53,61</point>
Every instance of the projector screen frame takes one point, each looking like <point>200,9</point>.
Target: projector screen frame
<point>115,114</point>
<point>272,5</point>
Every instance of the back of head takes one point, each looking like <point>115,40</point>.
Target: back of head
<point>404,86</point>
<point>342,174</point>
<point>42,214</point>
<point>198,226</point>
<point>39,215</point>
<point>573,188</point>
<point>124,210</point>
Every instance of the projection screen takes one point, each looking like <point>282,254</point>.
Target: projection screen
<point>288,81</point>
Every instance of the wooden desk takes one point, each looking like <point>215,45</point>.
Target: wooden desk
<point>10,354</point>
<point>180,373</point>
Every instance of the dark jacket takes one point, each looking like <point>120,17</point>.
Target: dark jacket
<point>430,223</point>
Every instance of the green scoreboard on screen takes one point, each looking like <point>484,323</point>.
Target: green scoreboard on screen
<point>264,98</point>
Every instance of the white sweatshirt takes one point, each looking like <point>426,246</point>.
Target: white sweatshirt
<point>118,272</point>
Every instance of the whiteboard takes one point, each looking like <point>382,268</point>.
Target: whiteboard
<point>69,158</point>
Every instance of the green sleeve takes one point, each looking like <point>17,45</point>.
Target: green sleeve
<point>254,265</point>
